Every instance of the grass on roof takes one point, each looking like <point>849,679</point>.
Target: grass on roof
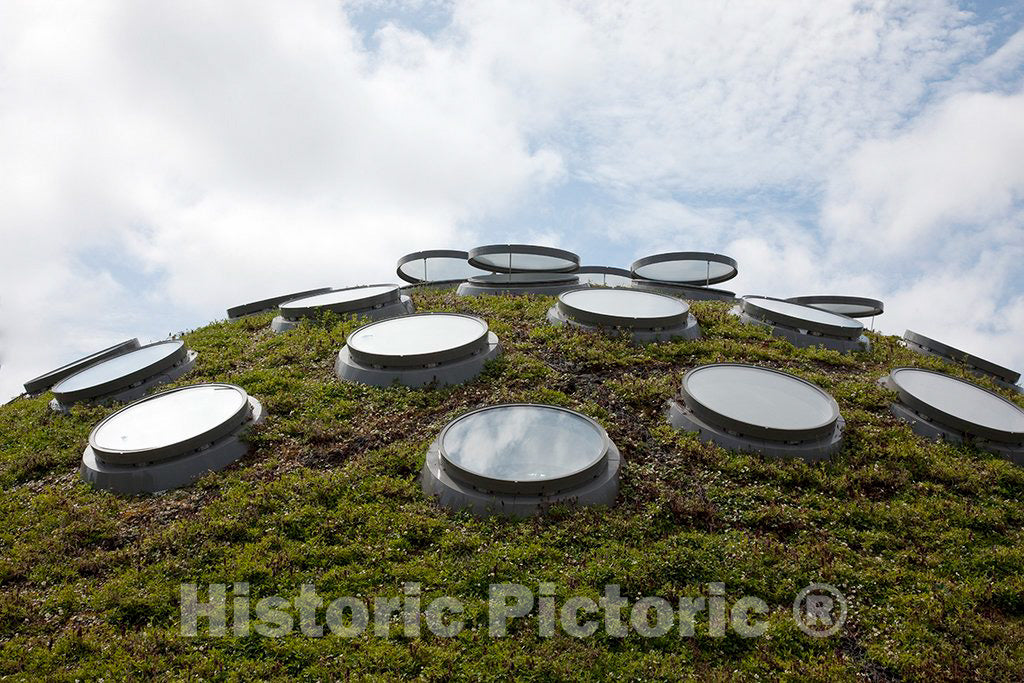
<point>924,539</point>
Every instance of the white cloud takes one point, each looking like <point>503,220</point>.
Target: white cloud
<point>162,162</point>
<point>221,152</point>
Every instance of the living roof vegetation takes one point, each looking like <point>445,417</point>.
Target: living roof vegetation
<point>925,539</point>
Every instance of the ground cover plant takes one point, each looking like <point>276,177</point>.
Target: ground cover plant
<point>923,538</point>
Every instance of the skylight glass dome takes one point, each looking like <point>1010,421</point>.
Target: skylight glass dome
<point>750,408</point>
<point>523,258</point>
<point>519,459</point>
<point>269,304</point>
<point>643,316</point>
<point>371,301</point>
<point>519,284</point>
<point>418,350</point>
<point>685,268</point>
<point>979,366</point>
<point>125,377</point>
<point>850,306</point>
<point>803,325</point>
<point>170,439</point>
<point>45,381</point>
<point>604,276</point>
<point>436,266</point>
<point>939,406</point>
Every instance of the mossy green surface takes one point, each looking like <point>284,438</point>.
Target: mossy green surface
<point>923,538</point>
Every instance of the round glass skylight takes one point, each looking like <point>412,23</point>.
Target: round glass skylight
<point>44,382</point>
<point>605,276</point>
<point>523,258</point>
<point>959,405</point>
<point>120,372</point>
<point>524,448</point>
<point>271,303</point>
<point>686,267</point>
<point>419,339</point>
<point>927,345</point>
<point>170,423</point>
<point>850,306</point>
<point>623,308</point>
<point>170,439</point>
<point>802,317</point>
<point>341,300</point>
<point>759,402</point>
<point>436,265</point>
<point>420,350</point>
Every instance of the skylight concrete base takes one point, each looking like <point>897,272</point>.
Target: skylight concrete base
<point>929,429</point>
<point>511,289</point>
<point>690,330</point>
<point>137,390</point>
<point>803,339</point>
<point>687,292</point>
<point>680,417</point>
<point>452,372</point>
<point>169,474</point>
<point>404,306</point>
<point>455,495</point>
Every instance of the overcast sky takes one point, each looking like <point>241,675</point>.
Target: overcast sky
<point>162,161</point>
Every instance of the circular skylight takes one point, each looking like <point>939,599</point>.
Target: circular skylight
<point>418,339</point>
<point>801,317</point>
<point>927,345</point>
<point>271,303</point>
<point>417,351</point>
<point>959,405</point>
<point>685,267</point>
<point>850,306</point>
<point>623,308</point>
<point>436,265</point>
<point>121,372</point>
<point>745,407</point>
<point>524,448</point>
<point>170,439</point>
<point>341,300</point>
<point>523,258</point>
<point>606,276</point>
<point>44,382</point>
<point>169,424</point>
<point>760,401</point>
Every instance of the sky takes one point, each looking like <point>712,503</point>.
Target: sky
<point>160,162</point>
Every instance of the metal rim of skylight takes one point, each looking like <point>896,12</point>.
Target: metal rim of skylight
<point>460,351</point>
<point>753,430</point>
<point>291,311</point>
<point>580,476</point>
<point>841,330</point>
<point>49,379</point>
<point>182,446</point>
<point>572,261</point>
<point>177,353</point>
<point>956,355</point>
<point>870,307</point>
<point>592,317</point>
<point>923,407</point>
<point>697,256</point>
